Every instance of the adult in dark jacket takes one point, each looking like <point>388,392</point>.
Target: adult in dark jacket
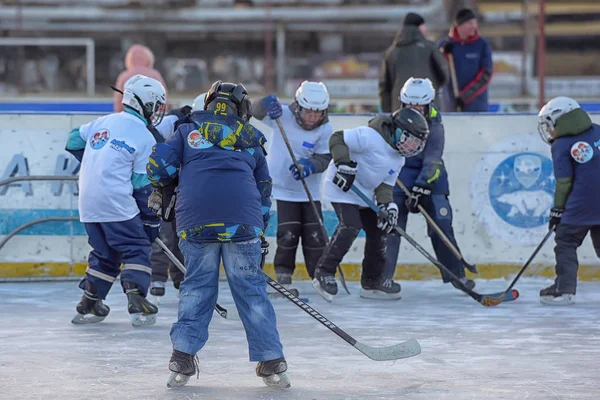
<point>426,175</point>
<point>575,144</point>
<point>473,66</point>
<point>409,55</point>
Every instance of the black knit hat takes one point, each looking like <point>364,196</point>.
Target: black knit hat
<point>413,19</point>
<point>464,15</point>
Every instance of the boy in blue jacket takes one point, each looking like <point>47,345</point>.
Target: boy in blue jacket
<point>473,65</point>
<point>575,144</point>
<point>222,209</point>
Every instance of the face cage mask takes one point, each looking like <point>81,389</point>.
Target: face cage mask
<point>305,125</point>
<point>408,145</point>
<point>545,131</point>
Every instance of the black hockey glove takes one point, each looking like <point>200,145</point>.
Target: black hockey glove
<point>264,250</point>
<point>345,175</point>
<point>162,202</point>
<point>388,219</point>
<point>447,47</point>
<point>412,203</point>
<point>555,216</point>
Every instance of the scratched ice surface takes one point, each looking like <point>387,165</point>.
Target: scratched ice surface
<point>519,350</point>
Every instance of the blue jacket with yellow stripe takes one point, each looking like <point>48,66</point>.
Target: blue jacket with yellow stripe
<point>426,169</point>
<point>224,188</point>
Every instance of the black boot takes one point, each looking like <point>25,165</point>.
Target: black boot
<point>325,284</point>
<point>273,373</point>
<point>182,366</point>
<point>142,312</point>
<point>552,297</point>
<point>380,289</point>
<point>90,309</point>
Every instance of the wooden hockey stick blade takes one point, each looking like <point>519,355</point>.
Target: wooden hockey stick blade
<point>406,349</point>
<point>491,300</point>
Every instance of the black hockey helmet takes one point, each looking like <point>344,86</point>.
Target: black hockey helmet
<point>228,98</point>
<point>412,130</point>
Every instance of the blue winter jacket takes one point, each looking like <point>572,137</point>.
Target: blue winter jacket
<point>224,185</point>
<point>426,169</point>
<point>474,67</point>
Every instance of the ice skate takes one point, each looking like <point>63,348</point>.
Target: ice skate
<point>470,284</point>
<point>552,297</point>
<point>90,309</point>
<point>157,290</point>
<point>143,312</point>
<point>385,289</point>
<point>325,285</point>
<point>284,280</point>
<point>273,373</point>
<point>182,367</point>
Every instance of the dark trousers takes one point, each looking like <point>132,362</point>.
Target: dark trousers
<point>297,220</point>
<point>114,243</point>
<point>568,239</point>
<point>161,264</point>
<point>438,207</point>
<point>352,219</point>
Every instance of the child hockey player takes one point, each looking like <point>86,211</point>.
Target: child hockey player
<point>113,151</point>
<point>308,131</point>
<point>426,176</point>
<point>222,210</point>
<point>575,142</point>
<point>162,266</point>
<point>369,157</point>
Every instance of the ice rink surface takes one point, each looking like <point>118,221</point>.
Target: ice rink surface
<point>518,350</point>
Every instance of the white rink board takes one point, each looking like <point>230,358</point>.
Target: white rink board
<point>480,150</point>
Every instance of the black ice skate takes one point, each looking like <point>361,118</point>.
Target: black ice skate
<point>157,290</point>
<point>325,285</point>
<point>143,313</point>
<point>383,289</point>
<point>466,281</point>
<point>285,280</point>
<point>90,309</point>
<point>182,367</point>
<point>552,297</point>
<point>273,373</point>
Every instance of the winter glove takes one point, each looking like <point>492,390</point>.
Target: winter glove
<point>555,216</point>
<point>306,168</point>
<point>272,106</point>
<point>264,246</point>
<point>460,103</point>
<point>388,219</point>
<point>412,203</point>
<point>162,202</point>
<point>447,47</point>
<point>345,175</point>
<point>185,110</point>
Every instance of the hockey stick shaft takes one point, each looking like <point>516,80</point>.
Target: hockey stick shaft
<point>438,230</point>
<point>453,77</point>
<point>309,195</point>
<point>420,248</point>
<point>394,352</point>
<point>535,252</point>
<point>222,311</point>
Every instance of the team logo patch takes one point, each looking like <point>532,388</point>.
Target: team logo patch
<point>196,141</point>
<point>443,212</point>
<point>512,189</point>
<point>99,139</point>
<point>582,152</point>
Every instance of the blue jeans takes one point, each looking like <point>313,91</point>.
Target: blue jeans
<point>199,291</point>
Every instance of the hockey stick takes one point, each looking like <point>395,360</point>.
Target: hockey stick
<point>440,233</point>
<point>310,198</point>
<point>506,296</point>
<point>494,301</point>
<point>222,311</point>
<point>454,81</point>
<point>406,349</point>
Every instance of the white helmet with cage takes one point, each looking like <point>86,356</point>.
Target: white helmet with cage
<point>550,113</point>
<point>312,101</point>
<point>146,96</point>
<point>418,93</point>
<point>198,103</point>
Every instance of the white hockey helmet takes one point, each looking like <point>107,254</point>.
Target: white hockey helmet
<point>312,101</point>
<point>418,92</point>
<point>198,103</point>
<point>146,96</point>
<point>551,112</point>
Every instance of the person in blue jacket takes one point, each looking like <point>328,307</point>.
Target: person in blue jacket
<point>575,142</point>
<point>222,210</point>
<point>426,176</point>
<point>473,65</point>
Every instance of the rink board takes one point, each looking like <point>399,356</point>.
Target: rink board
<point>500,178</point>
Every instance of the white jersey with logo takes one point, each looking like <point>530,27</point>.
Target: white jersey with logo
<point>377,163</point>
<point>117,146</point>
<point>305,144</point>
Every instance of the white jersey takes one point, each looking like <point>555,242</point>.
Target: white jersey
<point>377,163</point>
<point>166,128</point>
<point>305,144</point>
<point>117,146</point>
